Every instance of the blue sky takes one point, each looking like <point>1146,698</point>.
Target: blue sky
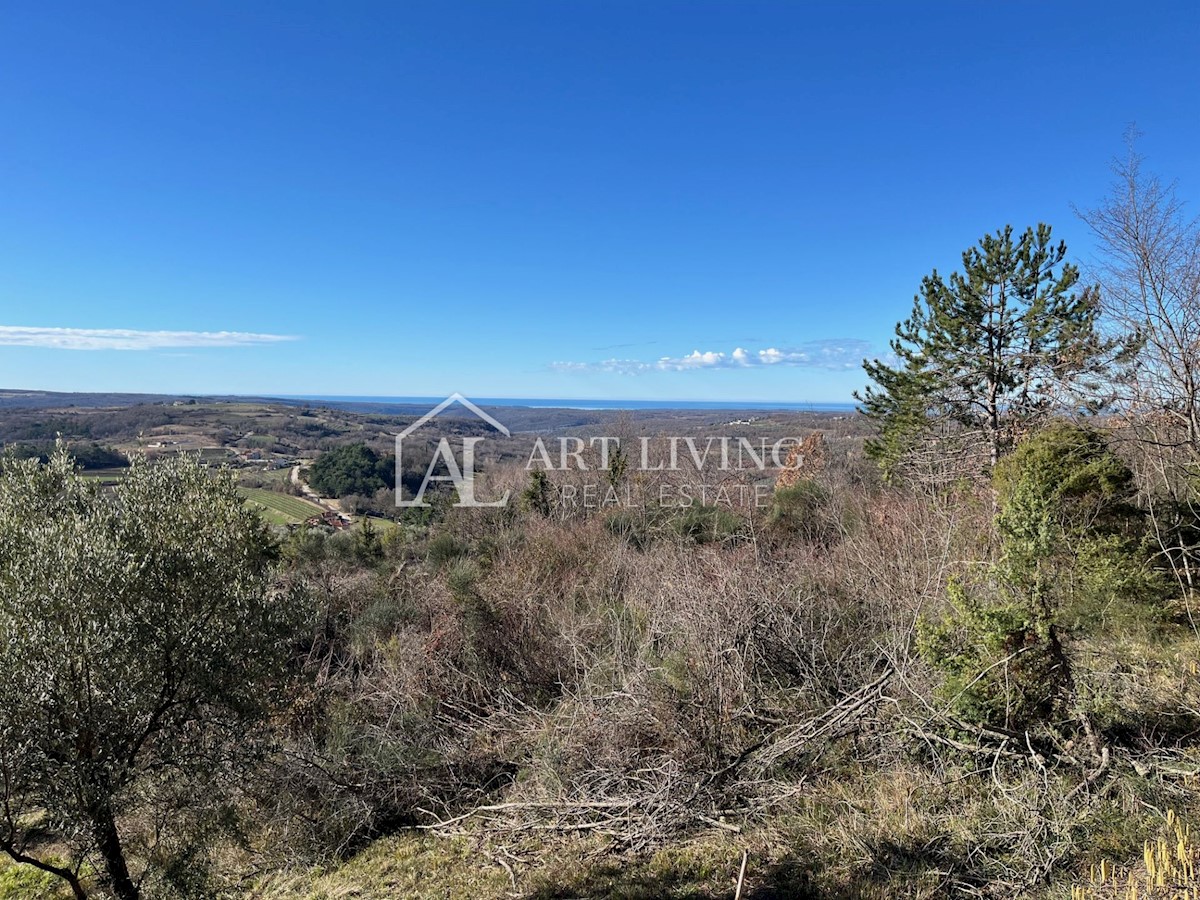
<point>540,199</point>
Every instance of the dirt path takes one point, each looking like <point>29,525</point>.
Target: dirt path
<point>310,494</point>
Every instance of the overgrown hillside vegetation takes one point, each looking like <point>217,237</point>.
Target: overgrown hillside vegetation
<point>958,660</point>
<point>871,691</point>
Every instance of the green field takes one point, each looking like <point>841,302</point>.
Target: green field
<point>106,476</point>
<point>280,509</point>
<point>256,476</point>
<point>382,526</point>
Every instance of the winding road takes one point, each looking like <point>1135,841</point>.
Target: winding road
<point>311,495</point>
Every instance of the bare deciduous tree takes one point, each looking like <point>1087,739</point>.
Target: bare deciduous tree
<point>1150,277</point>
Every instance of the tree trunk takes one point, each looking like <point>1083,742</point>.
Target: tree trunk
<point>62,872</point>
<point>108,841</point>
<point>993,408</point>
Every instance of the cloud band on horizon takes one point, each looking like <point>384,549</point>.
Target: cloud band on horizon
<point>129,338</point>
<point>823,354</point>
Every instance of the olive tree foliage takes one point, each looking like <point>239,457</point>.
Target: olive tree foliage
<point>143,643</point>
<point>988,354</point>
<point>1149,270</point>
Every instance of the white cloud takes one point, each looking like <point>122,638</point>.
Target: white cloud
<point>128,339</point>
<point>694,360</point>
<point>822,354</point>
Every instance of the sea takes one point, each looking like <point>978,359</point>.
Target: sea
<point>586,404</point>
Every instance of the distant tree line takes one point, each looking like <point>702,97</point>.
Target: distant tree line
<point>86,456</point>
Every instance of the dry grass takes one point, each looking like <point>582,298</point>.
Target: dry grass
<point>1167,870</point>
<point>551,696</point>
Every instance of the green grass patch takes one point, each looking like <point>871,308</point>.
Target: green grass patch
<point>106,476</point>
<point>260,477</point>
<point>382,526</point>
<point>280,509</point>
<point>423,867</point>
<point>23,882</point>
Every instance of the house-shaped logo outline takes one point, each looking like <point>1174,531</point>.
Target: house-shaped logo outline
<point>441,407</point>
<point>468,476</point>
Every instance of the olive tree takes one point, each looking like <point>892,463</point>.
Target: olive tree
<point>143,643</point>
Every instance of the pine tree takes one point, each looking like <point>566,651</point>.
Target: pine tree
<point>990,352</point>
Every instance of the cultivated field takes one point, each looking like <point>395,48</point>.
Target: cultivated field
<point>280,509</point>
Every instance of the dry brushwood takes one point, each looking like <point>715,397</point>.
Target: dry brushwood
<point>641,809</point>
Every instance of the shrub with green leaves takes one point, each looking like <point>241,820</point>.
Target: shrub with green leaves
<point>1074,562</point>
<point>707,523</point>
<point>1074,539</point>
<point>807,510</point>
<point>444,548</point>
<point>538,494</point>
